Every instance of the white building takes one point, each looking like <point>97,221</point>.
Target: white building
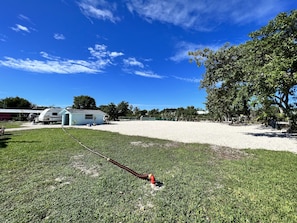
<point>82,117</point>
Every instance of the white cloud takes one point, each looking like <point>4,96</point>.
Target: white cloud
<point>24,18</point>
<point>131,65</point>
<point>49,57</point>
<point>50,66</point>
<point>116,54</point>
<point>59,36</point>
<point>99,51</point>
<point>131,61</point>
<point>182,49</point>
<point>206,14</point>
<point>102,55</point>
<point>100,59</point>
<point>98,9</point>
<point>148,74</point>
<point>192,80</point>
<point>20,28</point>
<point>3,38</point>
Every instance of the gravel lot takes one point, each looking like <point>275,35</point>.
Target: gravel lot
<point>240,137</point>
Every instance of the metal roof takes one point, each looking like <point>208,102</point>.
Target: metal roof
<point>83,111</point>
<point>18,111</point>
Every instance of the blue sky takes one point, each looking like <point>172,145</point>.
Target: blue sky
<point>113,51</point>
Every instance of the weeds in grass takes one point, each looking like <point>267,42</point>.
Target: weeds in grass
<point>47,177</point>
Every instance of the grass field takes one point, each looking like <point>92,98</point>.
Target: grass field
<point>47,177</point>
<point>10,124</point>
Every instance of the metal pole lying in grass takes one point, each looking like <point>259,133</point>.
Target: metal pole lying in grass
<point>150,177</point>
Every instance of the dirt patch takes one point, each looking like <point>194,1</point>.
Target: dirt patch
<point>143,144</point>
<point>59,182</point>
<point>228,153</point>
<point>172,144</point>
<point>79,164</point>
<point>145,203</point>
<point>144,206</point>
<point>62,181</point>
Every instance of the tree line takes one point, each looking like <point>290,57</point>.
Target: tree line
<point>257,78</point>
<point>122,110</point>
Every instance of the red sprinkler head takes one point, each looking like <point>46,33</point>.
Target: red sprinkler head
<point>151,178</point>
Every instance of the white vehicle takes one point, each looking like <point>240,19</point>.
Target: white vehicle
<point>50,115</point>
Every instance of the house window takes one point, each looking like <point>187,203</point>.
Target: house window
<point>55,113</point>
<point>89,116</point>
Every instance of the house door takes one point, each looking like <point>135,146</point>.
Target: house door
<point>66,120</point>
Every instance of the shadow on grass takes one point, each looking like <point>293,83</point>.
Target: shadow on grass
<point>159,183</point>
<point>274,135</point>
<point>24,141</point>
<point>3,140</point>
<point>6,137</point>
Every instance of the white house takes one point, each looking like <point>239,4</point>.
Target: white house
<point>72,116</point>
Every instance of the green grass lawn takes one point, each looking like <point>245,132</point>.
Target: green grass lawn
<point>47,177</point>
<point>10,124</point>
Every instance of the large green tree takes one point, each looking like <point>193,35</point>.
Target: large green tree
<point>262,71</point>
<point>84,102</point>
<point>111,110</point>
<point>123,109</point>
<point>115,111</point>
<point>272,63</point>
<point>15,102</point>
<point>226,86</point>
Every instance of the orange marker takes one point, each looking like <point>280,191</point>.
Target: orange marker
<point>151,178</point>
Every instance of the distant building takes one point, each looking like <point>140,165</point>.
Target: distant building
<point>202,112</point>
<point>18,114</point>
<point>82,117</point>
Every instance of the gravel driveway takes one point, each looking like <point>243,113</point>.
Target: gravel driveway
<point>240,137</point>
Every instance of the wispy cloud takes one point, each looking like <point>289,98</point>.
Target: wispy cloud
<point>182,49</point>
<point>133,66</point>
<point>191,80</point>
<point>20,28</point>
<point>24,18</point>
<point>98,9</point>
<point>3,38</point>
<point>50,66</point>
<point>131,61</point>
<point>99,60</point>
<point>148,74</point>
<point>59,36</point>
<point>204,15</point>
<point>48,56</point>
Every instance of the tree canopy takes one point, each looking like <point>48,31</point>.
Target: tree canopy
<point>15,102</point>
<point>84,102</point>
<point>115,111</point>
<point>256,74</point>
